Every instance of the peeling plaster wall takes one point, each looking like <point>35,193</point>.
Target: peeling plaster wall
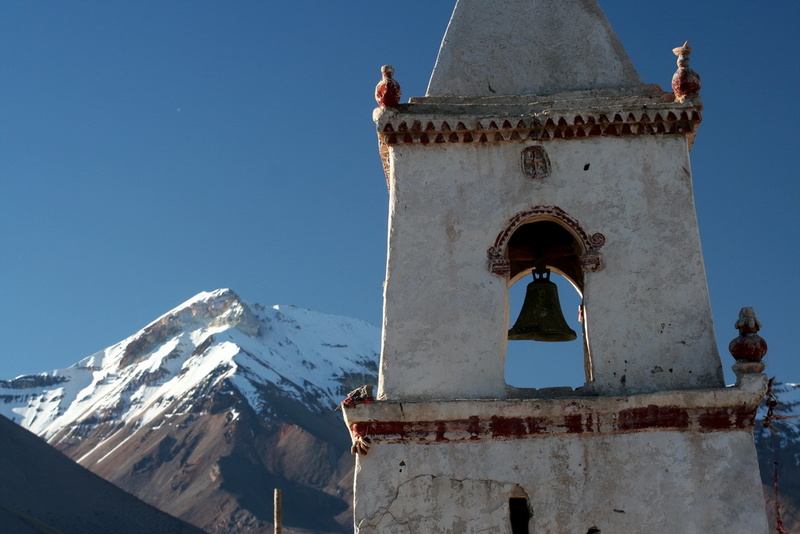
<point>446,315</point>
<point>626,483</point>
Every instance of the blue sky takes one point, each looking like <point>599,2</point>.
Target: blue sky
<point>151,150</point>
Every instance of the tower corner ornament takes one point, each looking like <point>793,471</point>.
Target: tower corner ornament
<point>685,81</point>
<point>387,92</point>
<point>748,348</point>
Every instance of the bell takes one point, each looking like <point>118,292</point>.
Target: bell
<point>540,318</point>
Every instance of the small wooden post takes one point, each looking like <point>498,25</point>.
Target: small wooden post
<point>278,516</point>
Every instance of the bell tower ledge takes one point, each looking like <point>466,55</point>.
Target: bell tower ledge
<point>470,420</point>
<point>643,110</point>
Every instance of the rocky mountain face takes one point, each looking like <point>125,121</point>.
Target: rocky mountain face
<point>208,409</point>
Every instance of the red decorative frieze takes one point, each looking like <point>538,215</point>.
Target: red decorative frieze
<point>499,427</point>
<point>566,126</point>
<point>591,260</point>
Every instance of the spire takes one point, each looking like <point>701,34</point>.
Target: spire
<point>518,47</point>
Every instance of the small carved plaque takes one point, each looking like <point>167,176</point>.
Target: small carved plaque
<point>535,163</point>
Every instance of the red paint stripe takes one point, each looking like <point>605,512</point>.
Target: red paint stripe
<point>649,418</point>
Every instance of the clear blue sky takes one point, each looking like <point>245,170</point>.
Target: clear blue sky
<point>151,150</point>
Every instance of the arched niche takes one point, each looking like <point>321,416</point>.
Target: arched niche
<point>546,236</point>
<point>586,247</point>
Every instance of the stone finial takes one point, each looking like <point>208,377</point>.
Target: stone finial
<point>685,81</point>
<point>387,92</point>
<point>749,347</point>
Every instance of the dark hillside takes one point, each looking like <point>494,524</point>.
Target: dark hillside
<point>43,491</point>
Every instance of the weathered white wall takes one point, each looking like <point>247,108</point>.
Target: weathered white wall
<point>446,315</point>
<point>659,482</point>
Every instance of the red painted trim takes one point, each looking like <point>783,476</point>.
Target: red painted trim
<point>649,418</point>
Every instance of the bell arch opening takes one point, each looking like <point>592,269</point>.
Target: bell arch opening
<point>547,345</point>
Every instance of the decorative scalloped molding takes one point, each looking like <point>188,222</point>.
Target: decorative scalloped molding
<point>568,126</point>
<point>591,260</point>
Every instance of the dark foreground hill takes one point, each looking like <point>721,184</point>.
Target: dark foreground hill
<point>43,491</point>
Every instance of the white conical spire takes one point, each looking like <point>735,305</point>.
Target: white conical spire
<point>518,47</point>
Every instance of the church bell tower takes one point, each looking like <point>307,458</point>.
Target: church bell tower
<point>537,151</point>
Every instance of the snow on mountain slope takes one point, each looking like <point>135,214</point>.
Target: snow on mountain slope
<point>306,356</point>
<point>779,452</point>
<point>786,435</point>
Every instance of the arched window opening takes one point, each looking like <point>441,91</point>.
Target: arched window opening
<point>551,251</point>
<point>533,364</point>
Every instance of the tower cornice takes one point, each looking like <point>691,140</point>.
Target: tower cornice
<point>431,121</point>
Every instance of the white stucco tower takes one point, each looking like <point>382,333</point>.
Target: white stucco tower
<point>538,144</point>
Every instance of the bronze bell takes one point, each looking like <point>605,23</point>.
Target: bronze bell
<point>540,318</point>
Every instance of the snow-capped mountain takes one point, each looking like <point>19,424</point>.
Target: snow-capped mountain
<point>215,337</point>
<point>214,400</point>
